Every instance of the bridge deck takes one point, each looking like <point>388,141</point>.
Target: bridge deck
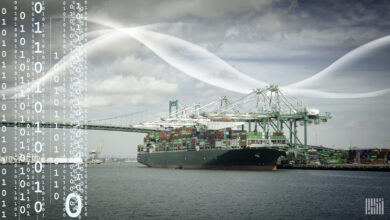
<point>84,126</point>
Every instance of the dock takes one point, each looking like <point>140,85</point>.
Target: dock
<point>362,167</point>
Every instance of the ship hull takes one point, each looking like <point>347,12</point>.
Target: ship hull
<point>261,158</point>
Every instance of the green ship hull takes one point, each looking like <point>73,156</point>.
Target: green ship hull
<point>253,158</point>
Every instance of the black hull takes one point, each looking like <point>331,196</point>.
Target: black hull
<point>259,158</point>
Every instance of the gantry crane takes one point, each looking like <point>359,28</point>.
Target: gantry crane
<point>268,110</point>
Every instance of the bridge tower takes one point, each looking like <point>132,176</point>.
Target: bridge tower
<point>173,103</point>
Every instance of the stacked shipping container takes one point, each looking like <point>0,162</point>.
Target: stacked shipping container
<point>368,156</point>
<point>188,138</point>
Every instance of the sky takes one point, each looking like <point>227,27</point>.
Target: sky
<point>278,42</point>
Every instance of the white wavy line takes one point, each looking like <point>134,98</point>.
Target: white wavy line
<point>237,81</point>
<point>345,60</point>
<point>190,59</point>
<point>196,61</point>
<point>312,93</point>
<point>23,90</point>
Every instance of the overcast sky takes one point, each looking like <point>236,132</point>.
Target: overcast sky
<point>279,42</point>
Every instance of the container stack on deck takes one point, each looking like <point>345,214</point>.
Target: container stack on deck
<point>187,138</point>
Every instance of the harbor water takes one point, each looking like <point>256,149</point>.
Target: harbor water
<point>133,191</point>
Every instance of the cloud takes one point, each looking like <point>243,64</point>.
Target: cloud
<point>172,10</point>
<point>199,85</point>
<point>137,66</point>
<point>131,85</point>
<point>102,100</point>
<point>98,101</point>
<point>128,90</point>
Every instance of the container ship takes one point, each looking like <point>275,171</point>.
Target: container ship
<point>197,147</point>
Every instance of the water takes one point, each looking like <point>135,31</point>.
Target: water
<point>132,191</point>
